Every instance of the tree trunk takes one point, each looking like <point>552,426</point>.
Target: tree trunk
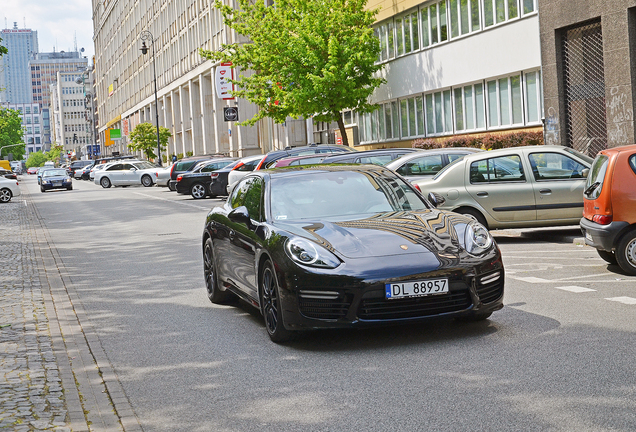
<point>343,132</point>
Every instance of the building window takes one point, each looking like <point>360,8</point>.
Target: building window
<point>407,33</point>
<point>412,117</point>
<point>529,6</point>
<point>469,108</point>
<point>434,24</point>
<point>504,101</point>
<point>533,96</point>
<point>464,16</point>
<point>439,113</point>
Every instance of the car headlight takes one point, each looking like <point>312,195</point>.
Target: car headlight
<point>44,181</point>
<point>310,254</point>
<point>474,237</point>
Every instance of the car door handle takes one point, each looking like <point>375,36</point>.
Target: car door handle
<point>545,191</point>
<point>482,194</point>
<point>231,234</point>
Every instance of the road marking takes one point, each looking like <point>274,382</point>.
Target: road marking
<point>580,277</point>
<point>624,300</point>
<point>173,201</point>
<point>531,279</point>
<point>575,289</point>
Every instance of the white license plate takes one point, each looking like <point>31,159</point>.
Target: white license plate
<point>416,289</point>
<point>588,236</point>
<point>57,183</point>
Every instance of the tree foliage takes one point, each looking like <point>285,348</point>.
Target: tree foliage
<point>304,57</point>
<point>36,159</point>
<point>144,138</point>
<point>11,133</point>
<point>55,153</point>
<point>3,49</point>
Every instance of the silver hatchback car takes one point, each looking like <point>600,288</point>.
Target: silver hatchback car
<point>520,187</point>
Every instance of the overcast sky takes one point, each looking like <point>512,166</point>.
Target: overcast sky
<point>56,21</point>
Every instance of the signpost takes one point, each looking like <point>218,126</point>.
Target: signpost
<point>230,114</point>
<point>224,73</point>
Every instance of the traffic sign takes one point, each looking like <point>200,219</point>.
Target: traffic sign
<point>230,114</point>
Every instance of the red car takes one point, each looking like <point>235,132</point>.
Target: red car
<point>32,170</point>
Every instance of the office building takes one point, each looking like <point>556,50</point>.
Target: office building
<point>15,79</point>
<point>31,116</point>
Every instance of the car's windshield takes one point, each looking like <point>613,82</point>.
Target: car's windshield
<point>340,193</point>
<point>144,165</point>
<point>54,173</point>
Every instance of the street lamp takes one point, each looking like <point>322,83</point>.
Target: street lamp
<point>147,36</point>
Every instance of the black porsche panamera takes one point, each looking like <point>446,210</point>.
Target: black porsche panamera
<point>347,246</point>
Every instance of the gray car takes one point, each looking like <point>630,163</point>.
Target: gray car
<point>520,187</point>
<point>427,163</point>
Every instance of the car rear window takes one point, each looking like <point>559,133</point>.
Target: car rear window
<point>596,177</point>
<point>632,162</point>
<point>184,166</point>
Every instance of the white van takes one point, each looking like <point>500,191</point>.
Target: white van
<point>49,164</point>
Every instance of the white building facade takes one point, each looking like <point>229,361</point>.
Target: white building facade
<point>187,103</point>
<point>31,116</point>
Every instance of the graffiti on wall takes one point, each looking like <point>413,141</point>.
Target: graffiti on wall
<point>552,127</point>
<point>620,117</point>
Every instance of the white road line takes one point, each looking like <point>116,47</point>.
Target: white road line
<point>530,279</point>
<point>579,277</point>
<point>624,300</point>
<point>172,201</point>
<point>575,289</point>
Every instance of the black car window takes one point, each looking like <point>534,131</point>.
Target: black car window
<point>116,167</point>
<point>555,166</point>
<point>632,162</point>
<point>127,167</point>
<point>208,168</point>
<point>249,193</point>
<point>249,165</point>
<point>495,170</point>
<point>422,166</point>
<point>184,165</point>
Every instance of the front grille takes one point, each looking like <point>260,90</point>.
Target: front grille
<point>383,309</point>
<point>491,290</point>
<point>311,306</point>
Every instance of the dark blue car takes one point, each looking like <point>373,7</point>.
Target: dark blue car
<point>56,178</point>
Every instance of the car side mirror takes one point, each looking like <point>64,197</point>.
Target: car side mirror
<point>585,172</point>
<point>133,169</point>
<point>436,199</point>
<point>240,215</point>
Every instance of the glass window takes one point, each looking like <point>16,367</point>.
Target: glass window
<point>399,35</point>
<point>499,169</point>
<point>425,27</point>
<point>415,31</point>
<point>632,163</point>
<point>448,111</point>
<point>533,96</point>
<point>459,109</point>
<point>474,12</point>
<point>404,118</point>
<point>376,160</point>
<point>555,166</point>
<point>434,26</point>
<point>454,17</point>
<point>412,127</point>
<point>500,10</point>
<point>597,175</point>
<point>390,39</point>
<point>517,103</point>
<point>395,122</point>
<point>422,166</point>
<point>420,115</point>
<point>488,13</point>
<point>528,6</point>
<point>387,121</point>
<point>469,103</point>
<point>504,101</point>
<point>443,31</point>
<point>407,34</point>
<point>439,115</point>
<point>430,115</point>
<point>480,113</point>
<point>116,167</point>
<point>463,13</point>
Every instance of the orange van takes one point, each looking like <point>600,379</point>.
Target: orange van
<point>609,214</point>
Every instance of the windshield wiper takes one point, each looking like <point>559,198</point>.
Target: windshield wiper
<point>590,189</point>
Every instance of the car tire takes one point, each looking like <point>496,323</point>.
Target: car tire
<point>105,182</point>
<point>198,191</point>
<point>42,190</point>
<point>609,257</point>
<point>5,195</point>
<point>172,186</point>
<point>69,188</point>
<point>271,308</point>
<point>626,253</point>
<point>475,214</point>
<point>211,281</point>
<point>146,180</point>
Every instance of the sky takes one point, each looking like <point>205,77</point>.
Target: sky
<point>56,21</point>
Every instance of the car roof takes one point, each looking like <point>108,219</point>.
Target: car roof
<point>290,171</point>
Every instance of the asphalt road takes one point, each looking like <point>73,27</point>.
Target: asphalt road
<point>559,356</point>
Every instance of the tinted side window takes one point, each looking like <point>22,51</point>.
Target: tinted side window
<point>499,169</point>
<point>422,166</point>
<point>127,167</point>
<point>632,162</point>
<point>249,166</point>
<point>248,193</point>
<point>555,166</point>
<point>454,156</point>
<point>116,167</point>
<point>184,166</point>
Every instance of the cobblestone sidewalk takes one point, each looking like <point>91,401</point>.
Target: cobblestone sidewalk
<point>31,394</point>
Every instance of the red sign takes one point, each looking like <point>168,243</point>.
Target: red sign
<point>224,73</point>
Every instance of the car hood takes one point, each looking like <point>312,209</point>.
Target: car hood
<point>55,178</point>
<point>385,234</point>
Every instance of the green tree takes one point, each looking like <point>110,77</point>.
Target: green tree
<point>3,49</point>
<point>35,159</point>
<point>144,138</point>
<point>304,57</point>
<point>11,133</point>
<point>55,153</point>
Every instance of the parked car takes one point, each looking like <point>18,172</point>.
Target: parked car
<point>520,187</point>
<point>218,180</point>
<point>197,182</point>
<point>91,175</point>
<point>375,157</point>
<point>32,170</point>
<point>609,215</point>
<point>125,173</point>
<point>39,173</point>
<point>82,173</point>
<point>346,246</point>
<point>243,168</point>
<point>187,164</point>
<point>9,188</point>
<point>427,163</point>
<point>56,178</point>
<point>299,160</point>
<point>78,164</point>
<point>311,149</point>
<point>8,174</point>
<point>162,176</point>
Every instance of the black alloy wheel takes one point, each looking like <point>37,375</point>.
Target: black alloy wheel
<point>271,307</point>
<point>5,195</point>
<point>211,282</point>
<point>105,182</point>
<point>146,180</point>
<point>609,257</point>
<point>626,253</point>
<point>198,191</point>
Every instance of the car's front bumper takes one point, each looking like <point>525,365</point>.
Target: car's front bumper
<point>311,300</point>
<point>601,236</point>
<point>56,185</point>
